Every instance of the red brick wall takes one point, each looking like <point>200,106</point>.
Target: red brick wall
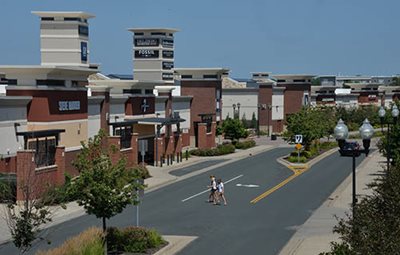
<point>185,139</point>
<point>204,98</point>
<point>202,136</point>
<point>169,145</point>
<point>37,179</point>
<point>8,165</point>
<point>70,156</point>
<point>265,97</point>
<point>160,149</point>
<point>364,98</point>
<point>178,143</point>
<point>293,99</point>
<point>104,109</point>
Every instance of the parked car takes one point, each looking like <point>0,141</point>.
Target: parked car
<point>349,148</point>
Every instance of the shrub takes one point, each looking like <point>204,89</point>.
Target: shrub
<point>245,144</point>
<point>88,242</point>
<point>142,172</point>
<point>133,239</point>
<point>294,159</point>
<point>220,150</point>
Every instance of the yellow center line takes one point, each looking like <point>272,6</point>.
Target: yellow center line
<point>296,172</point>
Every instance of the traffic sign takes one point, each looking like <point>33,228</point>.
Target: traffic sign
<point>298,146</point>
<point>298,138</point>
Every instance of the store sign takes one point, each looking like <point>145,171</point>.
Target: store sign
<point>83,30</point>
<point>69,106</point>
<point>328,99</point>
<point>146,53</point>
<point>167,76</point>
<point>84,51</point>
<point>167,65</point>
<point>168,43</point>
<point>147,42</point>
<point>168,54</point>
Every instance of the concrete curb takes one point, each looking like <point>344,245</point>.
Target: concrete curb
<point>307,165</point>
<point>175,244</point>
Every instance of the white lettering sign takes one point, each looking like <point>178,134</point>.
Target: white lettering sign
<point>69,105</point>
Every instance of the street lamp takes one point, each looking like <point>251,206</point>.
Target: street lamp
<point>382,114</point>
<point>234,111</point>
<point>350,150</point>
<point>238,106</point>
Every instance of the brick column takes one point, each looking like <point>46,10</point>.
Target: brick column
<point>114,141</point>
<point>170,145</point>
<point>135,147</point>
<point>159,146</point>
<point>178,143</point>
<point>60,162</point>
<point>25,171</point>
<point>202,136</point>
<point>212,134</point>
<point>264,114</point>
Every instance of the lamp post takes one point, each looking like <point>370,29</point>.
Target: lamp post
<point>382,114</point>
<point>259,107</point>
<point>238,106</point>
<point>352,149</point>
<point>234,111</point>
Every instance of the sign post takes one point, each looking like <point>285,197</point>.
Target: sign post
<point>298,140</point>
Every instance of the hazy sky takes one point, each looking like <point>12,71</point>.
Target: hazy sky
<point>278,36</point>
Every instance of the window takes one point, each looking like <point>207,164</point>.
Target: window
<point>148,91</point>
<point>126,134</point>
<point>139,33</point>
<point>47,18</point>
<point>132,91</point>
<point>210,76</point>
<point>158,33</point>
<point>50,82</point>
<point>168,54</point>
<point>187,76</point>
<point>281,80</point>
<point>45,151</point>
<point>83,30</point>
<point>299,80</point>
<point>72,19</point>
<point>171,34</point>
<point>8,81</point>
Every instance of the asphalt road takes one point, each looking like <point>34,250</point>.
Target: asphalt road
<point>238,228</point>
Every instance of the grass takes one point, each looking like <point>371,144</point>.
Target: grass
<point>89,242</point>
<point>315,150</point>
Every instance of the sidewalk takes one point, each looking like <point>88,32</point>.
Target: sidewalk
<point>160,178</point>
<point>315,235</point>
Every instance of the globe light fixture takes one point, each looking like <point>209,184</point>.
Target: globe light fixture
<point>382,112</point>
<point>341,131</point>
<point>395,111</point>
<point>366,130</point>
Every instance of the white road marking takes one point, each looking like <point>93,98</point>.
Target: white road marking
<point>207,190</point>
<point>247,185</point>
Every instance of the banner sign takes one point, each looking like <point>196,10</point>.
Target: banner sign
<point>69,106</point>
<point>168,43</point>
<point>167,65</point>
<point>147,42</point>
<point>168,54</point>
<point>146,53</point>
<point>84,51</point>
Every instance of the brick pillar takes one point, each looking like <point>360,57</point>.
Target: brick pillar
<point>25,171</point>
<point>60,162</point>
<point>212,134</point>
<point>114,141</point>
<point>265,99</point>
<point>178,143</point>
<point>159,146</point>
<point>135,147</point>
<point>202,136</point>
<point>104,108</point>
<point>170,145</point>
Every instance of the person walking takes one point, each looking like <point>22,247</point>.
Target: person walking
<point>213,192</point>
<point>221,191</point>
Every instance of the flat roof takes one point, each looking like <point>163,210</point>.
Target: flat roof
<point>70,14</point>
<point>153,29</point>
<point>49,69</point>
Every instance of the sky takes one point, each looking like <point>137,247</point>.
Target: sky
<point>321,37</point>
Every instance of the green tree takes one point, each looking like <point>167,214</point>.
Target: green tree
<point>103,188</point>
<point>254,123</point>
<point>375,226</point>
<point>244,120</point>
<point>312,123</point>
<point>234,130</point>
<point>395,81</point>
<point>316,82</point>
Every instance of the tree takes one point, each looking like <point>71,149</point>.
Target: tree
<point>375,226</point>
<point>244,120</point>
<point>254,123</point>
<point>395,81</point>
<point>234,130</point>
<point>103,188</point>
<point>312,123</point>
<point>26,218</point>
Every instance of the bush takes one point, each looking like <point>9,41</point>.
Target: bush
<point>294,159</point>
<point>220,150</point>
<point>142,172</point>
<point>89,242</point>
<point>245,144</point>
<point>133,239</point>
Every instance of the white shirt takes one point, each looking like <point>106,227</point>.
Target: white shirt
<point>221,187</point>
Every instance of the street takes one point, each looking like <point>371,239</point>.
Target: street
<point>240,227</point>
